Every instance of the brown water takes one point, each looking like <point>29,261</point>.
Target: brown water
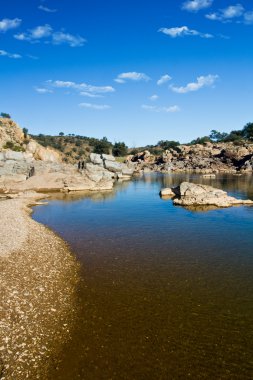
<point>166,293</point>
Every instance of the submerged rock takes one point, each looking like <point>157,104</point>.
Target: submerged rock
<point>191,194</point>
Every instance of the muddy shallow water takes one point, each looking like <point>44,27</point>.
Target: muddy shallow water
<point>166,292</point>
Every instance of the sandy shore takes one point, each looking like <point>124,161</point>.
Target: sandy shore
<point>38,282</point>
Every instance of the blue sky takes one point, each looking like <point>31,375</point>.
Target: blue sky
<point>134,71</point>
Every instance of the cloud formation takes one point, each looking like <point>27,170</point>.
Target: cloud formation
<point>169,109</point>
<point>133,76</point>
<point>183,31</point>
<point>202,81</point>
<point>46,33</point>
<point>4,53</point>
<point>7,24</point>
<point>46,9</point>
<point>84,88</point>
<point>164,79</point>
<point>230,13</point>
<point>100,107</point>
<point>196,5</point>
<point>41,90</point>
<point>153,97</point>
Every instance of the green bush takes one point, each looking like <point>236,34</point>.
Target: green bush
<point>5,115</point>
<point>120,149</point>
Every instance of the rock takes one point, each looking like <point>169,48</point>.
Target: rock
<point>108,157</point>
<point>115,167</point>
<point>46,154</point>
<point>190,194</point>
<point>167,192</point>
<point>11,155</point>
<point>126,171</point>
<point>96,159</point>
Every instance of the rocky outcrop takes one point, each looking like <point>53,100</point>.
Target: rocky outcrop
<point>108,162</point>
<point>190,194</point>
<point>207,158</point>
<point>10,132</point>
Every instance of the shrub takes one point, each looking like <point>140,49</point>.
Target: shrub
<point>5,115</point>
<point>167,144</point>
<point>119,149</point>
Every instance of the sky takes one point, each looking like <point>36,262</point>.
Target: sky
<point>131,70</point>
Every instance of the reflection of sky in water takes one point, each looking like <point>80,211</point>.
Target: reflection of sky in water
<point>174,285</point>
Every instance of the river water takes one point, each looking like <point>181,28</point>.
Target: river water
<point>166,292</point>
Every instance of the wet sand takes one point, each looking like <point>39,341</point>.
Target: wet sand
<point>38,285</point>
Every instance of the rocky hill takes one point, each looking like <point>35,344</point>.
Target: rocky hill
<point>200,158</point>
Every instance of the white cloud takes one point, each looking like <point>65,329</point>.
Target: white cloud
<point>183,31</point>
<point>248,17</point>
<point>196,5</point>
<point>90,95</point>
<point>99,107</point>
<point>164,79</point>
<point>133,75</point>
<point>46,33</point>
<point>153,97</point>
<point>43,90</point>
<point>84,88</point>
<point>59,38</point>
<point>227,14</point>
<point>4,53</point>
<point>7,24</point>
<point>35,34</point>
<point>46,9</point>
<point>169,109</point>
<point>202,81</point>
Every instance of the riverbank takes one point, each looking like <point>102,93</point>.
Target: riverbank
<point>38,282</point>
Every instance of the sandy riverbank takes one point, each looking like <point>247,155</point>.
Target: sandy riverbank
<point>38,282</point>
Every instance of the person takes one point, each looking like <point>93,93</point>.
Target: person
<point>82,165</point>
<point>79,165</point>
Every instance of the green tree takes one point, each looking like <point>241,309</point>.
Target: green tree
<point>217,136</point>
<point>102,146</point>
<point>5,115</point>
<point>168,144</point>
<point>25,131</point>
<point>248,131</point>
<point>61,134</point>
<point>119,149</point>
<point>200,140</point>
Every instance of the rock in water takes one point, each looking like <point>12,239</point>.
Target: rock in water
<point>191,194</point>
<point>167,192</point>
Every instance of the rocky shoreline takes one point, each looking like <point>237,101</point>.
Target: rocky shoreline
<point>38,285</point>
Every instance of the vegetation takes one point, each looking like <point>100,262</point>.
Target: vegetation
<point>12,146</point>
<point>167,144</point>
<point>25,131</point>
<point>120,149</point>
<point>102,146</point>
<point>5,115</point>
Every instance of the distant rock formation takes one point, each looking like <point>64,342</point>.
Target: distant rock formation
<point>206,158</point>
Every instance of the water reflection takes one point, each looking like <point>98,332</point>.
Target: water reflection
<point>167,293</point>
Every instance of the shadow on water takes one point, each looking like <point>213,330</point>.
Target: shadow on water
<point>166,293</point>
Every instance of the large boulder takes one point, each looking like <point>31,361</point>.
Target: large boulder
<point>190,194</point>
<point>96,159</point>
<point>115,167</point>
<point>108,157</point>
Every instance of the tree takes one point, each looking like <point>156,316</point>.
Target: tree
<point>217,136</point>
<point>25,131</point>
<point>5,115</point>
<point>119,149</point>
<point>200,140</point>
<point>248,131</point>
<point>168,144</point>
<point>102,146</point>
<point>61,134</point>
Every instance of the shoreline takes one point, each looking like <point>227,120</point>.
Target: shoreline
<point>38,284</point>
